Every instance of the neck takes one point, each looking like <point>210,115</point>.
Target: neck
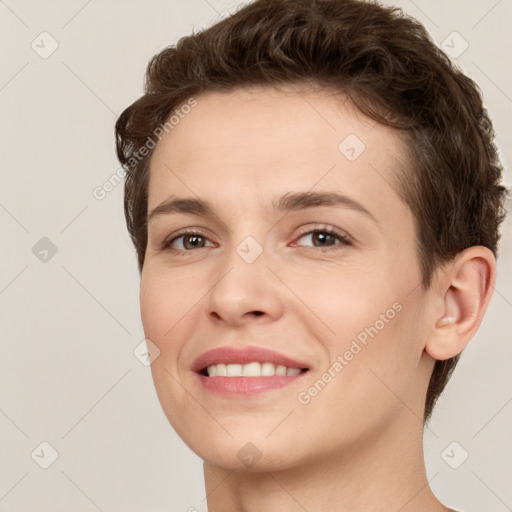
<point>381,474</point>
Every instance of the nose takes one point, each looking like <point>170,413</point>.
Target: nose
<point>244,292</point>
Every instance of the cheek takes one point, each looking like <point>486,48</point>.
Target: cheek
<point>163,308</point>
<point>165,303</point>
<point>154,303</point>
<point>345,298</point>
<point>166,307</point>
<point>369,381</point>
<point>369,323</point>
<point>383,371</point>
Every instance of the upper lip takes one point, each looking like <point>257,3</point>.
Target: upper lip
<point>244,355</point>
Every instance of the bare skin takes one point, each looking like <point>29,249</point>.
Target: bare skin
<point>356,444</point>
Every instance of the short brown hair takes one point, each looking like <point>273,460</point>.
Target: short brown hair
<point>389,67</point>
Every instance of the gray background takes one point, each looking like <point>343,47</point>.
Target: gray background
<point>70,320</point>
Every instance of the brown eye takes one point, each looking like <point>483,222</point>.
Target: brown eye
<point>325,238</point>
<point>193,241</point>
<point>186,242</point>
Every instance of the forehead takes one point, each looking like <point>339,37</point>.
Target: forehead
<point>259,141</point>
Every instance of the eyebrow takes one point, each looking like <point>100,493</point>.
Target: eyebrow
<point>292,201</point>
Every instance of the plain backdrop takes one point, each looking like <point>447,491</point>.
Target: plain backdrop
<point>70,320</point>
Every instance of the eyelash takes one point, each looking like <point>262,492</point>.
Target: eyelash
<point>343,239</point>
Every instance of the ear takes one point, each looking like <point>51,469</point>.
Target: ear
<point>464,289</point>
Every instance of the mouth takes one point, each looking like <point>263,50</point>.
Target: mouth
<point>246,371</point>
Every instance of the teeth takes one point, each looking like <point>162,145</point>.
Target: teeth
<point>281,370</point>
<point>233,370</point>
<point>250,370</point>
<point>268,370</point>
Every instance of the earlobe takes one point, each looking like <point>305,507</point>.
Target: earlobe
<point>464,290</point>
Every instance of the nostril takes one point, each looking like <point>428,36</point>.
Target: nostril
<point>258,313</point>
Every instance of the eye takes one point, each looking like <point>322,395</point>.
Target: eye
<point>186,241</point>
<point>326,237</point>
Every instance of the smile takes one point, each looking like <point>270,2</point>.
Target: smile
<point>253,369</point>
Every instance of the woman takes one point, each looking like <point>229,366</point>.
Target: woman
<point>314,195</point>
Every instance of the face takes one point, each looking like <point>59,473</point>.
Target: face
<point>265,270</point>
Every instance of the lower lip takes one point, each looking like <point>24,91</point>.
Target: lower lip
<point>246,386</point>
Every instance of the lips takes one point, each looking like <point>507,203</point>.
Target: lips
<point>244,356</point>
